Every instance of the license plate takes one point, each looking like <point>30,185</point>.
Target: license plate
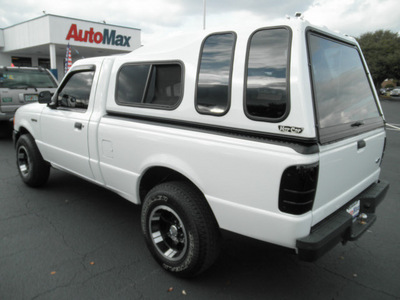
<point>31,97</point>
<point>6,99</point>
<point>354,209</point>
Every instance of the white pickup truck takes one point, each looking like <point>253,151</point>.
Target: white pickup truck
<point>275,133</point>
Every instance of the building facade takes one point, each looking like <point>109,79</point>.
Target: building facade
<point>43,41</point>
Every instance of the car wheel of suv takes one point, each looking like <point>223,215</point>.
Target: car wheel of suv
<point>5,129</point>
<point>33,170</point>
<point>180,229</point>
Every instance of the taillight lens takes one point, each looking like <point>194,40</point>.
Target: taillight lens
<point>298,187</point>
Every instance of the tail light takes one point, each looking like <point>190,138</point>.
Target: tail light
<point>298,187</point>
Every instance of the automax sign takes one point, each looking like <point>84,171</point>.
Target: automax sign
<point>107,37</point>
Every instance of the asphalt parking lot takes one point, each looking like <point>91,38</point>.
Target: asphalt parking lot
<point>75,240</point>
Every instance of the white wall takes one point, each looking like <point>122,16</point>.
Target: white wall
<point>59,28</point>
<point>1,38</point>
<point>5,59</point>
<point>31,36</point>
<point>27,34</point>
<point>54,29</point>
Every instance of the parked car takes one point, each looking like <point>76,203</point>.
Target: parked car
<point>395,92</point>
<point>22,85</point>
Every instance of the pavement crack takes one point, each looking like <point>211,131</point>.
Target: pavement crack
<point>66,285</point>
<point>346,278</point>
<point>60,233</point>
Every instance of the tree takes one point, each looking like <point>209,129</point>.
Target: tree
<point>382,52</point>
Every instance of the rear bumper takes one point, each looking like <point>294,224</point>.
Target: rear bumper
<point>340,226</point>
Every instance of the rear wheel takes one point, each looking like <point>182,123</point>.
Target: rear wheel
<point>180,229</point>
<point>33,169</point>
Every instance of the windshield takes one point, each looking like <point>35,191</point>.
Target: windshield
<point>342,93</point>
<point>26,78</point>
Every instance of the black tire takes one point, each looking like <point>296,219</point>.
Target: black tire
<point>32,168</point>
<point>180,229</point>
<point>5,129</point>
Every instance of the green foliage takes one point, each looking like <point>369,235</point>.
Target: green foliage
<point>382,52</point>
<point>389,85</point>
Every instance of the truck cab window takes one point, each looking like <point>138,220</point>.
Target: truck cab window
<point>76,91</point>
<point>150,85</point>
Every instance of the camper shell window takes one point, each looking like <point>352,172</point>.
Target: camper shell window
<point>267,69</point>
<point>343,95</point>
<point>213,90</point>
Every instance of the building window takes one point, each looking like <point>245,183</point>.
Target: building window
<point>44,63</point>
<point>21,61</point>
<point>150,85</point>
<point>267,82</point>
<point>213,92</point>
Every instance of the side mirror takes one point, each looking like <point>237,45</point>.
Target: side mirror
<point>45,97</point>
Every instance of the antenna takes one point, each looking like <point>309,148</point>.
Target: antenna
<point>204,14</point>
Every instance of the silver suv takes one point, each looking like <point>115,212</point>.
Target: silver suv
<point>21,85</point>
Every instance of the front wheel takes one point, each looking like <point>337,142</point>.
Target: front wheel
<point>180,229</point>
<point>32,168</point>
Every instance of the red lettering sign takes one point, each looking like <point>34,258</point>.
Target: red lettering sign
<point>97,37</point>
<point>72,33</point>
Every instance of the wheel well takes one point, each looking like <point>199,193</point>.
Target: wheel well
<point>21,131</point>
<point>157,175</point>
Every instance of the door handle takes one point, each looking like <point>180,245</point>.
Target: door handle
<point>361,144</point>
<point>78,125</point>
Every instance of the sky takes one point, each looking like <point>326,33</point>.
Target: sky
<point>162,18</point>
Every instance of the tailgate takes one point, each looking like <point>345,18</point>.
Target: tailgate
<point>346,169</point>
<point>12,99</point>
<point>9,101</point>
<point>349,121</point>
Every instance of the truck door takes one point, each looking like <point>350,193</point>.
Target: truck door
<point>64,123</point>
